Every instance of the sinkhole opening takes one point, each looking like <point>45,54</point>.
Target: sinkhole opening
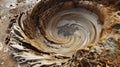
<point>72,29</point>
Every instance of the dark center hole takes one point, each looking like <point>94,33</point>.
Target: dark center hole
<point>67,30</point>
<point>117,26</point>
<point>118,13</point>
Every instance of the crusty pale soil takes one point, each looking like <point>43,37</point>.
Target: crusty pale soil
<point>9,9</point>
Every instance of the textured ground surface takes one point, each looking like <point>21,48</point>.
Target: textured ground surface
<point>9,9</point>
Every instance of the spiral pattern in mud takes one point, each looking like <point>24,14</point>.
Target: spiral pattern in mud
<point>63,33</point>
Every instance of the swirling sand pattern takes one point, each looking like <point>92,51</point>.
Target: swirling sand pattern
<point>63,33</point>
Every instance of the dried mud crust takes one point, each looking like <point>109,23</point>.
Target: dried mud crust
<point>105,53</point>
<point>9,9</point>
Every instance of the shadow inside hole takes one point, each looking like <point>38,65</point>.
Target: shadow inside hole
<point>116,26</point>
<point>118,13</point>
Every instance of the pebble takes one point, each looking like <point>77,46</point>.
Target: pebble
<point>1,46</point>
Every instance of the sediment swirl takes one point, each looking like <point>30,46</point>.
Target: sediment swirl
<point>60,33</point>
